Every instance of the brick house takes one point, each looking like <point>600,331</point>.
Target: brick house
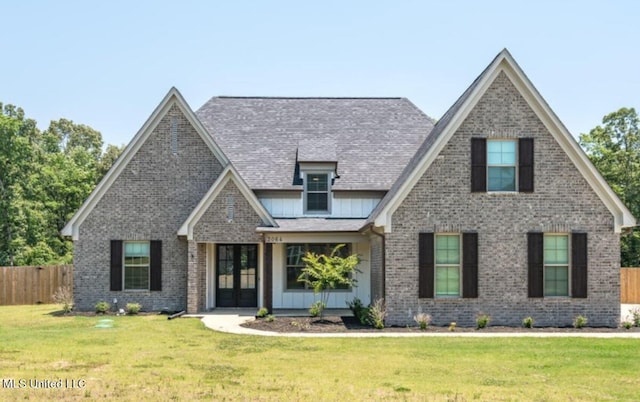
<point>495,209</point>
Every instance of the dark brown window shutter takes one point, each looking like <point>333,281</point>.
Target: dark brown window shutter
<point>535,252</point>
<point>425,265</point>
<point>470,265</point>
<point>579,265</point>
<point>155,265</point>
<point>478,165</point>
<point>525,165</point>
<point>116,265</point>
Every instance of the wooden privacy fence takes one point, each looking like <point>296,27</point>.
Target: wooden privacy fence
<point>630,285</point>
<point>33,285</point>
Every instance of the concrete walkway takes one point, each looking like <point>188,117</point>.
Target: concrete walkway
<point>229,320</point>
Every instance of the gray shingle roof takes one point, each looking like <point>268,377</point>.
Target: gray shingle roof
<point>374,137</point>
<point>315,225</point>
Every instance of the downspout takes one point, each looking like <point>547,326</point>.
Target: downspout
<point>261,273</point>
<point>384,261</point>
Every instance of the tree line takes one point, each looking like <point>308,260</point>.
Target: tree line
<point>44,178</point>
<point>46,175</point>
<point>614,148</point>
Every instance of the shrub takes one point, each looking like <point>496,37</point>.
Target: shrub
<point>359,311</point>
<point>627,324</point>
<point>377,313</point>
<point>528,322</point>
<point>580,321</point>
<point>452,326</point>
<point>64,297</point>
<point>316,309</point>
<point>482,320</point>
<point>302,325</point>
<point>324,273</point>
<point>263,312</point>
<point>270,318</point>
<point>102,307</point>
<point>133,308</point>
<point>423,320</point>
<point>635,314</point>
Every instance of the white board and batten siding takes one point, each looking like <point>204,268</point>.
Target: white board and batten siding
<point>290,205</point>
<point>302,299</point>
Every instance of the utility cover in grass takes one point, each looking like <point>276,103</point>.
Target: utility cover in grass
<point>106,323</point>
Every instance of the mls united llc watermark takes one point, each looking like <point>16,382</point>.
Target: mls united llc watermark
<point>34,383</point>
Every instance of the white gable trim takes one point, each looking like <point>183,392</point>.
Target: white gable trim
<point>173,97</point>
<point>505,63</point>
<point>229,174</point>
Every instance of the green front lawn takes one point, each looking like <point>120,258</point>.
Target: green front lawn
<point>151,358</point>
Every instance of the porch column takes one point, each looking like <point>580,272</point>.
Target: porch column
<point>192,278</point>
<point>267,290</point>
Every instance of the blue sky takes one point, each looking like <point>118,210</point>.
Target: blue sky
<point>108,64</point>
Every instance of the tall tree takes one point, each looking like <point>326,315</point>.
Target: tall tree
<point>17,138</point>
<point>614,148</point>
<point>44,178</point>
<point>108,159</point>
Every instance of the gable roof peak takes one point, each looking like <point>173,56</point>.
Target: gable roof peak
<point>453,118</point>
<point>173,97</point>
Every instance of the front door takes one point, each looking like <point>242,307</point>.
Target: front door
<point>237,267</point>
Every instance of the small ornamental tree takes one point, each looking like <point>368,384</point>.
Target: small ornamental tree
<point>324,273</point>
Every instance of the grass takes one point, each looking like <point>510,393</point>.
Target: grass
<point>151,358</point>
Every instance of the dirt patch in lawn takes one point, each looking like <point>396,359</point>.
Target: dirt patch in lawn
<point>333,324</point>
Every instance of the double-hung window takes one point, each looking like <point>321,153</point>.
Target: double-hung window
<point>501,165</point>
<point>317,193</point>
<point>136,265</point>
<point>556,265</point>
<point>447,265</point>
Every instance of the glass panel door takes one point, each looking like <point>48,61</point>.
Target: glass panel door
<point>236,273</point>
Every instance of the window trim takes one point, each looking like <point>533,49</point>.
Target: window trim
<point>306,192</point>
<point>567,265</point>
<point>124,265</point>
<point>436,266</point>
<point>305,289</point>
<point>515,165</point>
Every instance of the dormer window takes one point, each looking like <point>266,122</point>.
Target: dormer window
<point>317,193</point>
<point>317,165</point>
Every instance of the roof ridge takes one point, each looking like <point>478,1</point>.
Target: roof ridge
<point>311,97</point>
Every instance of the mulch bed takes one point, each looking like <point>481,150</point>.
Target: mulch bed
<point>333,324</point>
<point>74,313</point>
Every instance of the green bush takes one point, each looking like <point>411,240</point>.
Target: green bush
<point>102,307</point>
<point>626,324</point>
<point>359,311</point>
<point>270,318</point>
<point>423,320</point>
<point>133,308</point>
<point>452,326</point>
<point>316,309</point>
<point>528,322</point>
<point>482,320</point>
<point>580,321</point>
<point>263,312</point>
<point>635,314</point>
